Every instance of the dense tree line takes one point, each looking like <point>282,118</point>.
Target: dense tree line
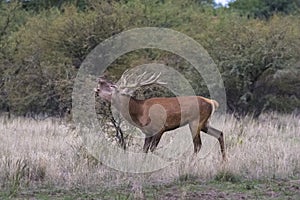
<point>43,43</point>
<point>264,9</point>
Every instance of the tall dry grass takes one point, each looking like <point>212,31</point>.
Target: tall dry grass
<point>51,152</point>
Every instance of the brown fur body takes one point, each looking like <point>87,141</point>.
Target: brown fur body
<point>155,116</point>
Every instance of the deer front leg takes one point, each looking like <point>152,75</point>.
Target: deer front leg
<point>197,143</point>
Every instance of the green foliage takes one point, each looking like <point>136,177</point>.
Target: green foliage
<point>41,5</point>
<point>252,51</point>
<point>11,18</point>
<point>265,8</point>
<point>44,42</point>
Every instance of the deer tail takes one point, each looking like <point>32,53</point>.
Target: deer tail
<point>215,105</point>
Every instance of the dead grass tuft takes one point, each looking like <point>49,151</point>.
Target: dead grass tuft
<point>50,152</point>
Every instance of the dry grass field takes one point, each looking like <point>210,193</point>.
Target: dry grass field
<point>48,160</point>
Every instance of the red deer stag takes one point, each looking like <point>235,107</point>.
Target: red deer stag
<point>155,116</point>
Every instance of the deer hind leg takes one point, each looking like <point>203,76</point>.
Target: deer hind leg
<point>195,128</point>
<point>155,140</point>
<point>147,143</point>
<point>219,135</point>
<point>197,143</point>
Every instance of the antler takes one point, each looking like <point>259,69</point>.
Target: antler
<point>141,80</point>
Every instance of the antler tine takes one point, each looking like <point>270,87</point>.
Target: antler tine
<point>139,78</point>
<point>161,82</point>
<point>158,81</point>
<point>124,78</point>
<point>149,80</point>
<point>154,78</point>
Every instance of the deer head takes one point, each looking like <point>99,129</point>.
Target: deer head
<point>105,88</point>
<point>126,86</point>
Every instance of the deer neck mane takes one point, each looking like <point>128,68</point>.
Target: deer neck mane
<point>128,106</point>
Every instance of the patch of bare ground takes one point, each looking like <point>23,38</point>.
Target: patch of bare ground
<point>206,194</point>
<point>264,189</point>
<point>195,189</point>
